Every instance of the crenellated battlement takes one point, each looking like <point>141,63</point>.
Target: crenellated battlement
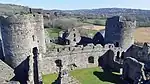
<point>90,48</point>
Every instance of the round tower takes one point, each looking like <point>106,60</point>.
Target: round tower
<point>39,32</point>
<point>119,31</point>
<point>18,38</point>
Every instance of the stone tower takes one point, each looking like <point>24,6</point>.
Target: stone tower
<point>39,32</point>
<point>23,40</point>
<point>119,31</point>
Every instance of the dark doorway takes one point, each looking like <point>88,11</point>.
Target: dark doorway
<point>35,65</point>
<point>91,59</point>
<point>122,55</point>
<point>117,44</point>
<point>58,63</point>
<point>118,55</point>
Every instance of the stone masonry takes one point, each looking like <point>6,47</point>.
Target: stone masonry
<point>24,50</point>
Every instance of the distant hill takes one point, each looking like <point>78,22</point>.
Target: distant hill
<point>143,16</point>
<point>110,11</point>
<point>11,8</point>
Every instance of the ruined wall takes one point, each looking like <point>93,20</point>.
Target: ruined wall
<point>119,31</point>
<point>140,53</point>
<point>73,36</point>
<point>6,73</point>
<point>133,69</point>
<point>75,57</point>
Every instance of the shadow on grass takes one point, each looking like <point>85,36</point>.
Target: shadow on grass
<point>109,77</point>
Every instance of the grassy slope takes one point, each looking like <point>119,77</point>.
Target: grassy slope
<point>88,76</point>
<point>49,79</point>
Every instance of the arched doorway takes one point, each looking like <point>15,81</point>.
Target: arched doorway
<point>35,65</point>
<point>58,63</point>
<point>91,59</point>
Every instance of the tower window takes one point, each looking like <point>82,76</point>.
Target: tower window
<point>33,37</point>
<point>74,39</point>
<point>74,35</point>
<point>57,49</point>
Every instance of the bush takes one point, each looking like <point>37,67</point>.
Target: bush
<point>66,23</point>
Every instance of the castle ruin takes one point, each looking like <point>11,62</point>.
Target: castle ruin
<point>25,57</point>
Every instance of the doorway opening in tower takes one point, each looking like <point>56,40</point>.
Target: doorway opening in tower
<point>35,65</point>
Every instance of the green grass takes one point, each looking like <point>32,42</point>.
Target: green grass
<point>49,79</point>
<point>100,22</point>
<point>52,32</point>
<point>88,76</point>
<point>95,76</point>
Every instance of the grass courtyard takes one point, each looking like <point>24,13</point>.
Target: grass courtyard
<point>88,76</point>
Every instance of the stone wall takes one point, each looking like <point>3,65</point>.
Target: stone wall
<point>6,72</point>
<point>39,32</point>
<point>76,57</point>
<point>133,70</point>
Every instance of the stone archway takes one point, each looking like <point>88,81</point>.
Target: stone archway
<point>58,63</point>
<point>91,59</point>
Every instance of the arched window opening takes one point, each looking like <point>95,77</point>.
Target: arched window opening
<point>69,48</point>
<point>91,59</point>
<point>74,39</point>
<point>35,51</point>
<point>58,63</point>
<point>74,35</point>
<point>118,55</point>
<point>57,49</point>
<point>109,46</point>
<point>33,37</point>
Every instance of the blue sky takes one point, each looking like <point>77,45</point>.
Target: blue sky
<point>81,4</point>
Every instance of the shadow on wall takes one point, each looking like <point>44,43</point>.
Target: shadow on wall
<point>106,61</point>
<point>21,72</point>
<point>109,77</point>
<point>85,40</point>
<point>98,39</point>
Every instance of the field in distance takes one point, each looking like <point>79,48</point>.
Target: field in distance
<point>141,34</point>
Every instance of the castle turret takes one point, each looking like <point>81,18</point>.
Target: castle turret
<point>23,38</point>
<point>18,38</point>
<point>39,32</point>
<point>119,31</point>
